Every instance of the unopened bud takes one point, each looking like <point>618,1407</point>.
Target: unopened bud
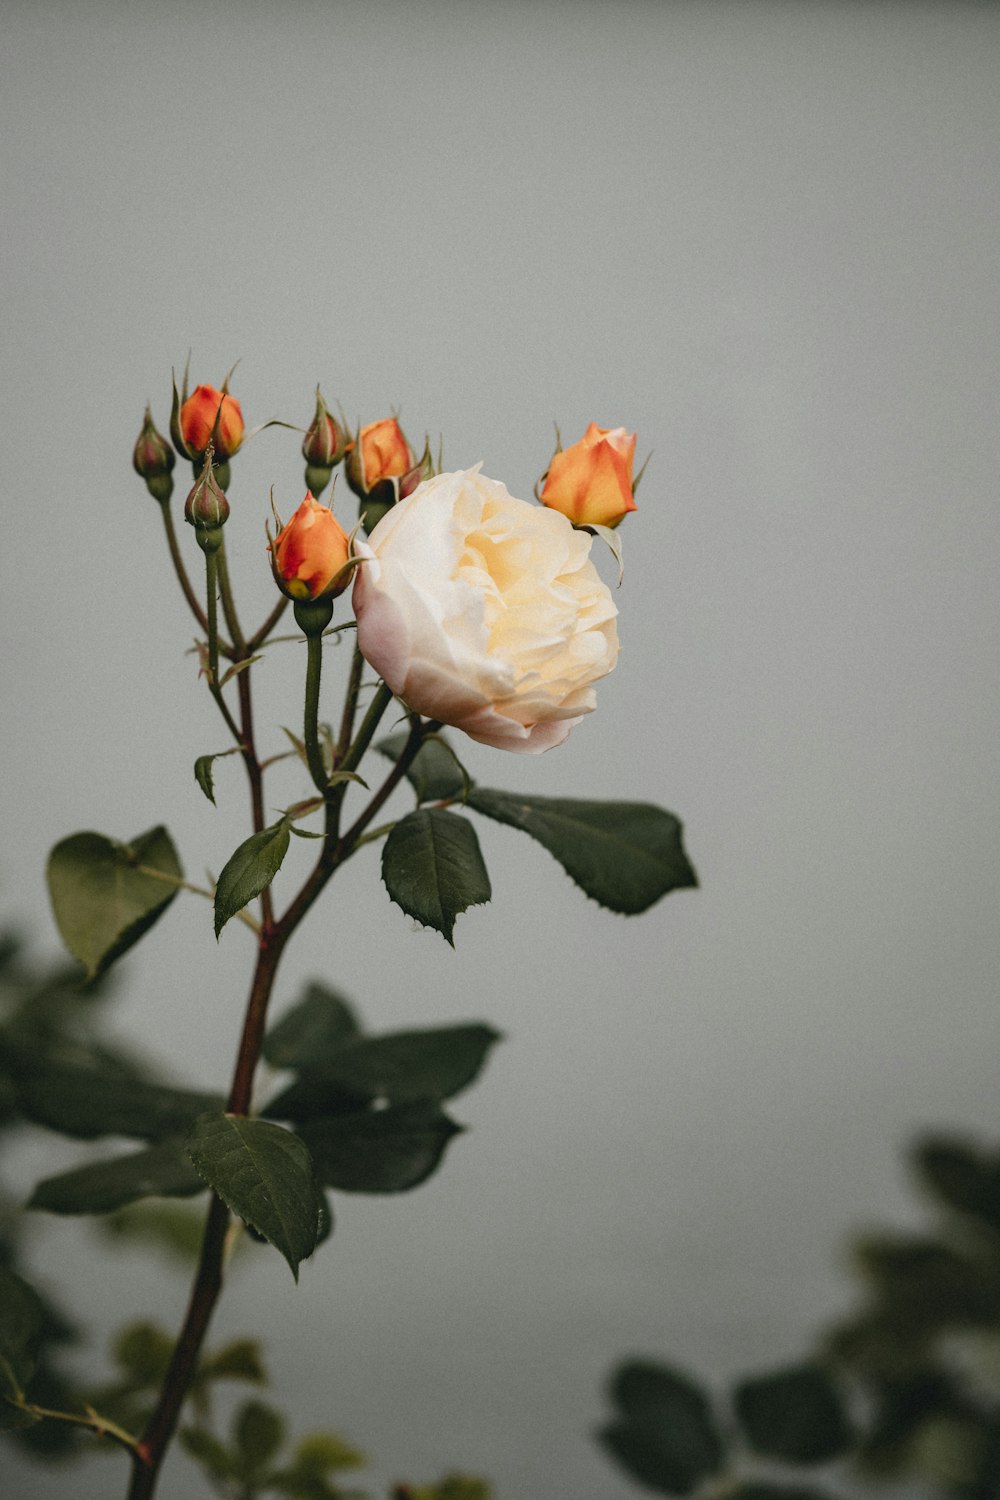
<point>153,459</point>
<point>206,507</point>
<point>325,444</point>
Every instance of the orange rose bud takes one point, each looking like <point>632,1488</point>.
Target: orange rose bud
<point>591,482</point>
<point>310,552</point>
<point>212,416</point>
<point>153,459</point>
<point>380,452</point>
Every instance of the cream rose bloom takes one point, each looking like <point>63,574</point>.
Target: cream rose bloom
<point>485,612</point>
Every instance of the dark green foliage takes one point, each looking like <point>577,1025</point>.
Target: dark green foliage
<point>379,1151</point>
<point>163,1170</point>
<point>98,1099</point>
<point>794,1414</point>
<point>435,773</point>
<point>22,1319</point>
<point>626,855</point>
<point>105,894</point>
<point>917,1361</point>
<point>961,1176</point>
<point>250,870</point>
<point>245,1464</point>
<point>433,868</point>
<point>312,1032</point>
<point>368,1107</point>
<point>264,1174</point>
<point>665,1434</point>
<point>405,1065</point>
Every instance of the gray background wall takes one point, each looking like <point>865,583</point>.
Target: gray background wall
<point>764,236</point>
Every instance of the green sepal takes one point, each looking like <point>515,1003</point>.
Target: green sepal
<point>160,1171</point>
<point>250,870</point>
<point>264,1174</point>
<point>625,855</point>
<point>612,540</point>
<point>102,902</point>
<point>432,868</point>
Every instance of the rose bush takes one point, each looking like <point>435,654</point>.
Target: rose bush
<point>485,612</point>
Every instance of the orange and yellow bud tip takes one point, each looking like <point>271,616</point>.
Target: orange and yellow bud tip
<point>309,553</point>
<point>591,482</point>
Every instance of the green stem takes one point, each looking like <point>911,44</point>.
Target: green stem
<point>197,890</point>
<point>255,776</point>
<point>229,604</point>
<point>352,757</point>
<point>212,622</point>
<point>350,706</point>
<point>98,1425</point>
<point>212,556</point>
<point>149,1453</point>
<point>182,575</point>
<point>310,733</point>
<point>376,708</point>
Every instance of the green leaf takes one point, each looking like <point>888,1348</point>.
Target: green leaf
<point>666,1436</point>
<point>960,1175</point>
<point>322,1453</point>
<point>22,1321</point>
<point>238,1360</point>
<point>258,1434</point>
<point>237,667</point>
<point>409,1065</point>
<point>264,1174</point>
<point>795,1414</point>
<point>433,869</point>
<point>626,855</point>
<point>249,871</point>
<point>753,1489</point>
<point>162,1171</point>
<point>102,900</point>
<point>173,1229</point>
<point>312,1032</point>
<point>90,1101</point>
<point>206,1450</point>
<point>142,1352</point>
<point>452,1487</point>
<point>379,1151</point>
<point>203,771</point>
<point>317,1456</point>
<point>435,773</point>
